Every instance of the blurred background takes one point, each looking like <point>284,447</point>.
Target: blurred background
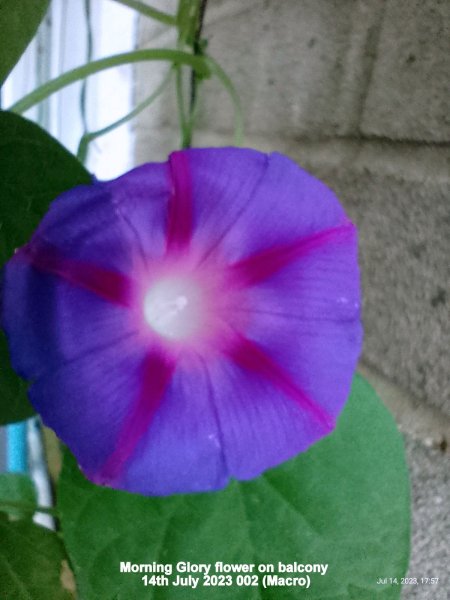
<point>75,32</point>
<point>355,91</point>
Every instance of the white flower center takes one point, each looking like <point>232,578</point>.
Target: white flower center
<point>172,307</point>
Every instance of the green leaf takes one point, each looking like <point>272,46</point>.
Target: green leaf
<point>34,169</point>
<point>18,496</point>
<point>14,404</point>
<point>19,21</point>
<point>17,488</point>
<point>31,562</point>
<point>344,503</point>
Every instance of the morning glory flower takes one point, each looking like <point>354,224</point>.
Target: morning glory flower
<point>189,322</point>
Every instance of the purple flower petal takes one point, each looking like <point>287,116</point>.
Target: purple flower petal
<point>179,218</point>
<point>50,321</point>
<point>88,400</point>
<point>83,222</point>
<point>139,199</point>
<point>224,180</point>
<point>264,201</point>
<point>154,376</point>
<point>199,319</point>
<point>263,265</point>
<point>182,449</point>
<point>263,421</point>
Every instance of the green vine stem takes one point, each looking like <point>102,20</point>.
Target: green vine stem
<point>89,54</point>
<point>176,57</point>
<point>182,119</point>
<point>198,46</point>
<point>198,50</point>
<point>89,137</point>
<point>149,11</point>
<point>190,19</point>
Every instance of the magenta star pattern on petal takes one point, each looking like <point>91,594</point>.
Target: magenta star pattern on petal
<point>189,322</point>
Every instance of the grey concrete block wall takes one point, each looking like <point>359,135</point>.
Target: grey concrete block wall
<point>404,250</point>
<point>312,58</point>
<point>430,554</point>
<point>409,93</point>
<point>312,61</point>
<point>299,49</point>
<point>371,67</point>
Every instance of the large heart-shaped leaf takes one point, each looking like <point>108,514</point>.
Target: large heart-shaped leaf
<point>31,562</point>
<point>19,20</point>
<point>34,169</point>
<point>344,503</point>
<point>17,495</point>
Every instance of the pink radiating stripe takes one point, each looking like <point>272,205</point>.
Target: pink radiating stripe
<point>156,374</point>
<point>266,263</point>
<point>109,285</point>
<point>179,221</point>
<point>251,357</point>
